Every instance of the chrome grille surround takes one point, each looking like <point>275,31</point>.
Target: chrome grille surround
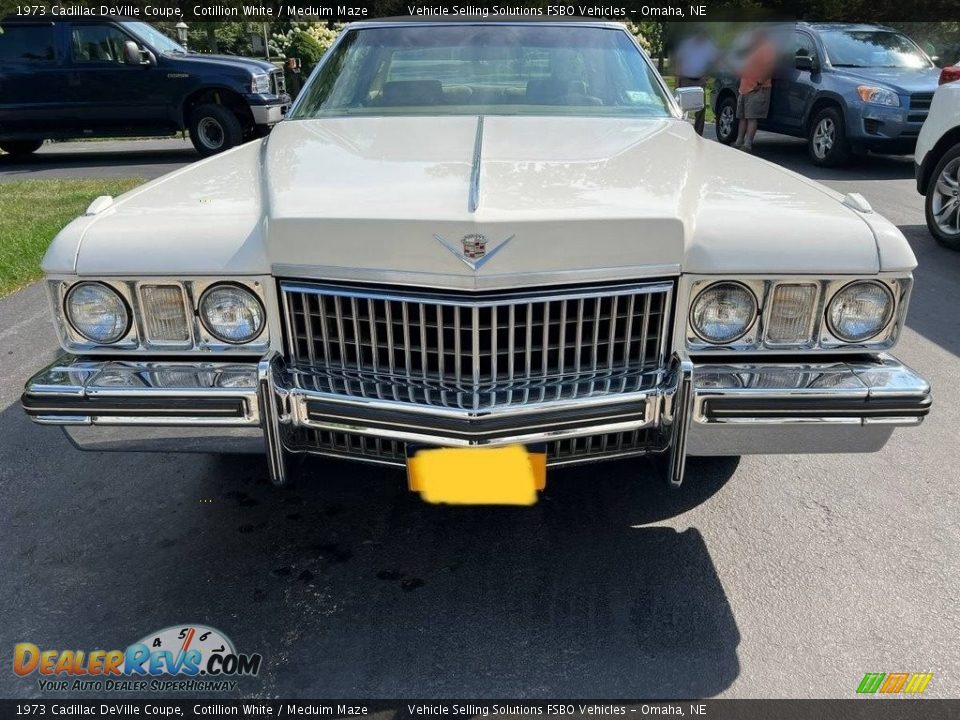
<point>478,353</point>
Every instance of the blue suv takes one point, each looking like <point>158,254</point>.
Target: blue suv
<point>846,88</point>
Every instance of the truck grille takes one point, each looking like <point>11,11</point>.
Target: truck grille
<point>278,82</point>
<point>473,351</point>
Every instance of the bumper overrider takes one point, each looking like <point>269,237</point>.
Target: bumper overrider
<point>685,409</point>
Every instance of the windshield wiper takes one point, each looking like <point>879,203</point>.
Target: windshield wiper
<point>848,65</point>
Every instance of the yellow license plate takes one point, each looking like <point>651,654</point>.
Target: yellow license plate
<point>509,475</point>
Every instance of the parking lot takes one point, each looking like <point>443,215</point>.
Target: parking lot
<point>782,576</point>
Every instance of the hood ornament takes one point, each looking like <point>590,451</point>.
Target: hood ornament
<point>474,252</point>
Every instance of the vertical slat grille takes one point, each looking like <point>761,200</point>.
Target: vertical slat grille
<point>478,346</point>
<point>385,450</point>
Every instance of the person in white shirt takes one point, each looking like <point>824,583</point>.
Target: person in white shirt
<point>694,58</point>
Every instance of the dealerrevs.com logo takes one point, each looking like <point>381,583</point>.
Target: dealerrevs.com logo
<point>177,658</point>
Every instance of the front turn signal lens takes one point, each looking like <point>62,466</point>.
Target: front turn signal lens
<point>164,313</point>
<point>791,314</point>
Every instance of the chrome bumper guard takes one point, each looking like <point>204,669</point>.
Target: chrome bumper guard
<point>692,409</point>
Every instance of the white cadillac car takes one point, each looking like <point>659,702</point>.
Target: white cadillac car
<point>481,235</point>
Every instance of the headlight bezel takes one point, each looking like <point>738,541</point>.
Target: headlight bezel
<point>137,338</point>
<point>260,84</point>
<point>742,336</point>
<point>204,321</point>
<point>71,321</point>
<point>822,337</point>
<point>828,310</point>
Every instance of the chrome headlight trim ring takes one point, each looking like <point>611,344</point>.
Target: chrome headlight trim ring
<point>242,289</point>
<point>124,307</point>
<point>888,315</point>
<point>712,287</point>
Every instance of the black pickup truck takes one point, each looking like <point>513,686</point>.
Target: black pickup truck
<point>110,77</point>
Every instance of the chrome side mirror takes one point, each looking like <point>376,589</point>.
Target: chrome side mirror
<point>690,99</point>
<point>133,54</point>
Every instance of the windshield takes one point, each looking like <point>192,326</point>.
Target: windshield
<point>155,38</point>
<point>873,48</point>
<point>497,70</point>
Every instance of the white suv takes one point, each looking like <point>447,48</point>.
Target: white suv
<point>937,164</point>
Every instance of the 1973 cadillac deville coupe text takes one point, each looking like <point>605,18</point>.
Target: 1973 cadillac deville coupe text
<point>481,235</point>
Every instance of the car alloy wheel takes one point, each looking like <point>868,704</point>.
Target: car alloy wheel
<point>725,121</point>
<point>945,201</point>
<point>824,137</point>
<point>211,133</point>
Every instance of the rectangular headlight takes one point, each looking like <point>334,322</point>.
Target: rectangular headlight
<point>790,318</point>
<point>164,314</point>
<point>260,84</point>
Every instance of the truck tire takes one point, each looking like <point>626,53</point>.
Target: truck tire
<point>827,142</point>
<point>942,203</point>
<point>213,129</point>
<point>21,148</point>
<point>726,121</point>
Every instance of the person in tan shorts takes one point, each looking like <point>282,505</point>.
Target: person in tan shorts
<point>753,101</point>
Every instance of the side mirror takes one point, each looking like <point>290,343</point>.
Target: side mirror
<point>132,55</point>
<point>805,62</point>
<point>690,99</point>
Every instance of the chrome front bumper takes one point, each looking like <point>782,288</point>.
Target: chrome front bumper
<point>268,114</point>
<point>687,409</point>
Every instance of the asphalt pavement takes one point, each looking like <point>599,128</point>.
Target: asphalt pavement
<point>780,576</point>
<point>146,159</point>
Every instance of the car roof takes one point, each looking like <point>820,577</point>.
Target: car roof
<point>857,27</point>
<point>14,19</point>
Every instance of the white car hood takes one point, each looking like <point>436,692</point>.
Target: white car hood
<point>579,198</point>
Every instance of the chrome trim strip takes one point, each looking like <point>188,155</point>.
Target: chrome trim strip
<point>531,438</point>
<point>299,387</point>
<point>456,282</point>
<point>271,423</point>
<point>446,298</point>
<point>473,201</point>
<point>681,412</point>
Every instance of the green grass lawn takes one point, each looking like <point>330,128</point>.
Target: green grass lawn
<point>33,211</point>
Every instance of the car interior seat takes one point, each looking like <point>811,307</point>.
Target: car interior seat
<point>411,92</point>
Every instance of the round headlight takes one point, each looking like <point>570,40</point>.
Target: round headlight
<point>723,312</point>
<point>232,314</point>
<point>97,312</point>
<point>860,311</point>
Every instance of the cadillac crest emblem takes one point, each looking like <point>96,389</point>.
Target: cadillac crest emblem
<point>474,246</point>
<point>473,250</point>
